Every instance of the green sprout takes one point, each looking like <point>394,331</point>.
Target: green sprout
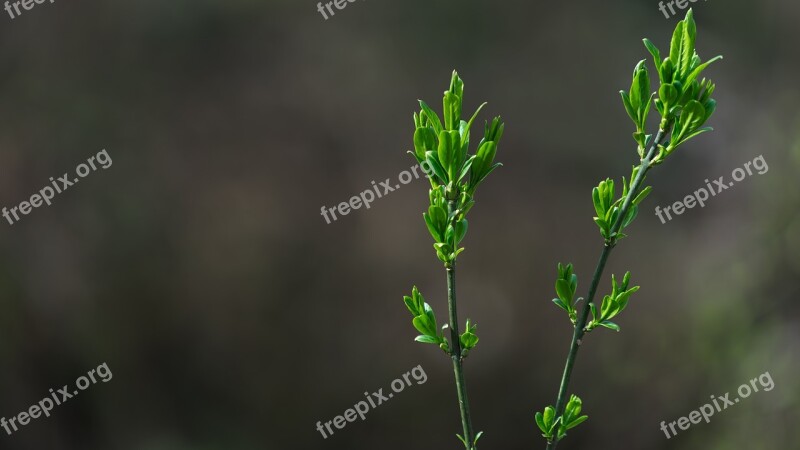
<point>442,149</point>
<point>685,104</point>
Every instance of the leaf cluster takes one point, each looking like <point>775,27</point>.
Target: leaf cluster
<point>683,99</point>
<point>608,206</point>
<point>474,442</point>
<point>612,304</point>
<point>425,322</point>
<point>442,146</point>
<point>553,427</point>
<point>566,286</point>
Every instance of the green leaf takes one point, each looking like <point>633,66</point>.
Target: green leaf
<point>464,441</point>
<point>597,201</point>
<point>626,102</point>
<point>447,149</point>
<point>438,215</point>
<point>424,140</point>
<point>560,304</point>
<point>675,46</point>
<point>643,81</point>
<point>491,169</point>
<point>695,133</point>
<point>655,52</point>
<point>693,115</point>
<point>485,156</point>
<point>564,292</point>
<point>642,195</point>
<point>549,418</point>
<point>668,94</point>
<point>609,324</point>
<point>667,71</point>
<point>636,92</point>
<point>461,230</point>
<point>603,225</point>
<point>468,340</point>
<point>431,317</point>
<point>411,305</point>
<point>466,168</point>
<point>472,119</point>
<point>576,422</point>
<point>622,298</point>
<point>644,111</point>
<point>432,117</point>
<point>436,167</point>
<point>607,307</point>
<point>630,216</point>
<point>423,324</point>
<point>710,106</point>
<point>426,339</point>
<point>699,69</point>
<point>494,131</point>
<point>451,105</point>
<point>687,42</point>
<point>432,229</point>
<point>540,422</point>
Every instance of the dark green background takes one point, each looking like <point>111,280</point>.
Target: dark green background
<point>232,316</point>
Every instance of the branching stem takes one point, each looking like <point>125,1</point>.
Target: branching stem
<point>579,332</point>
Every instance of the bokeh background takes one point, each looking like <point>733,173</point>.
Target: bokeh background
<point>199,268</point>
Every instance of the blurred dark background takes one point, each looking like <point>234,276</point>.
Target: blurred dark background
<point>199,268</point>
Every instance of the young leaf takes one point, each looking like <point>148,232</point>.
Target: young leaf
<point>609,324</point>
<point>626,102</point>
<point>461,230</point>
<point>561,304</point>
<point>675,46</point>
<point>699,69</point>
<point>433,162</point>
<point>642,195</point>
<point>423,325</point>
<point>433,119</point>
<point>563,291</point>
<point>472,119</point>
<point>540,422</point>
<point>432,228</point>
<point>446,151</point>
<point>576,422</point>
<point>426,339</point>
<point>655,52</point>
<point>687,42</point>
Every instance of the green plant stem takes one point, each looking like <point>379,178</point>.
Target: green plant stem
<point>579,332</point>
<point>458,369</point>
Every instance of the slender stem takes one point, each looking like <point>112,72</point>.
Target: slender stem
<point>458,369</point>
<point>580,325</point>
